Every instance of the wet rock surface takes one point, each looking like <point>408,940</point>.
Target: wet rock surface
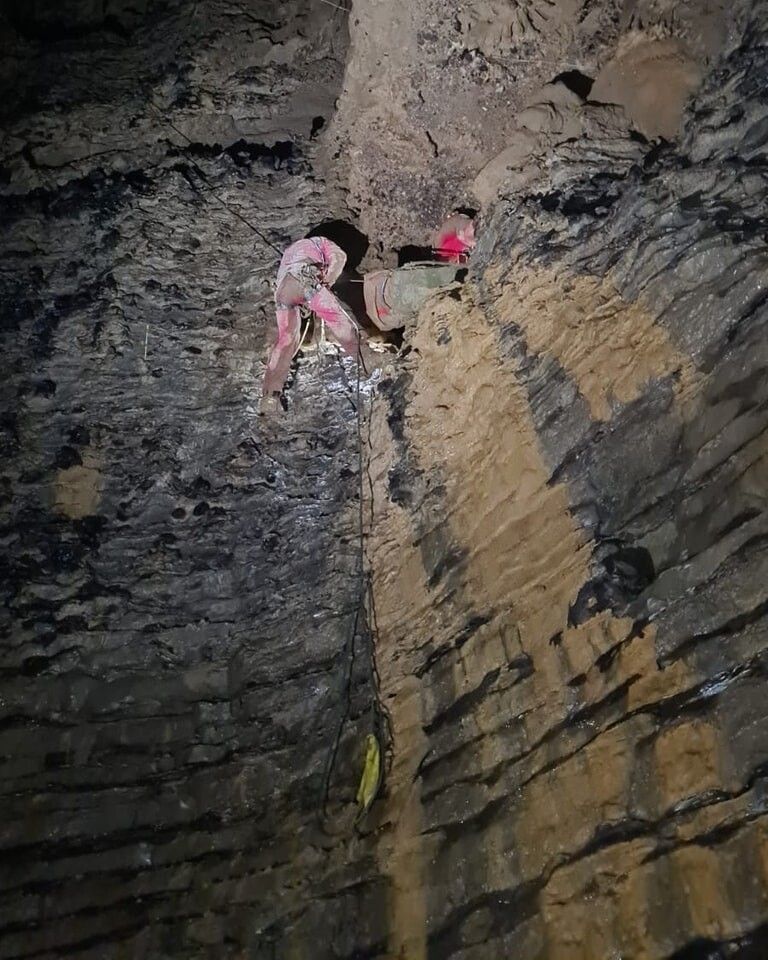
<point>564,487</point>
<point>178,576</point>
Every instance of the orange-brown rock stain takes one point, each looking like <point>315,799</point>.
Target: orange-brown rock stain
<point>552,781</point>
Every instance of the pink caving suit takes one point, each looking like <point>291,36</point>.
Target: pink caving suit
<point>455,239</point>
<point>307,270</point>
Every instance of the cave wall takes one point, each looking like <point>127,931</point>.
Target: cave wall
<point>178,579</point>
<point>435,91</point>
<point>569,474</point>
<point>563,479</point>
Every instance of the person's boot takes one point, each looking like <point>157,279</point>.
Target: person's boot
<point>269,405</point>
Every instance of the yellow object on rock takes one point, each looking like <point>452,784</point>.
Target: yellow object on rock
<point>370,781</point>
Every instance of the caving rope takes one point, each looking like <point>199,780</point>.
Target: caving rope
<point>207,182</point>
<point>379,739</point>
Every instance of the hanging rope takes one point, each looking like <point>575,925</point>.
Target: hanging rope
<point>380,721</point>
<point>350,644</point>
<point>307,324</point>
<point>201,173</point>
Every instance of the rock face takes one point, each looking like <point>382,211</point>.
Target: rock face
<point>435,90</point>
<point>178,580</point>
<point>563,485</point>
<point>569,474</point>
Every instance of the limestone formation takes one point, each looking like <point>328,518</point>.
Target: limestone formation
<point>558,629</point>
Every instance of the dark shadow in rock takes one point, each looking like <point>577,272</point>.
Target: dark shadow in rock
<point>53,23</point>
<point>351,240</point>
<point>659,148</point>
<point>576,81</point>
<point>413,254</point>
<point>632,568</point>
<point>752,946</point>
<point>626,572</point>
<point>281,155</point>
<point>67,457</point>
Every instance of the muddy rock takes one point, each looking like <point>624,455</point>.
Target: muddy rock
<point>555,618</point>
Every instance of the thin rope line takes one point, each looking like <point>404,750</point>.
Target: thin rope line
<point>360,593</point>
<point>303,338</point>
<point>205,179</point>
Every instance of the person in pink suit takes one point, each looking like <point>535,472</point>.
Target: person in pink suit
<point>307,270</point>
<point>455,239</point>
